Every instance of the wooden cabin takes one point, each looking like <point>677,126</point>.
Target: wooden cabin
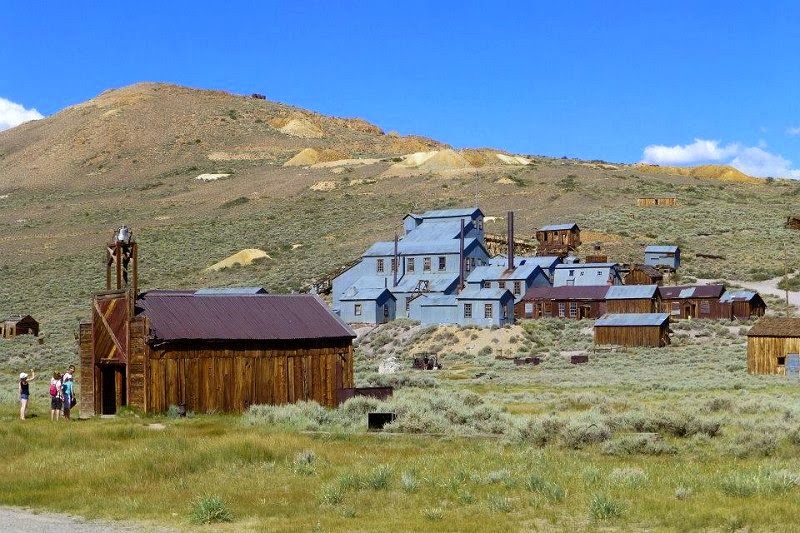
<point>643,275</point>
<point>19,325</point>
<point>558,239</point>
<point>742,305</point>
<point>694,301</point>
<point>669,200</point>
<point>217,352</point>
<point>633,329</point>
<point>769,342</point>
<point>793,222</point>
<point>575,302</point>
<point>633,299</point>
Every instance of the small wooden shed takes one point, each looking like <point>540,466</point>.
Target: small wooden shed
<point>643,275</point>
<point>769,342</point>
<point>633,329</point>
<point>217,352</point>
<point>19,325</point>
<point>742,305</point>
<point>670,200</point>
<point>633,299</point>
<point>558,239</point>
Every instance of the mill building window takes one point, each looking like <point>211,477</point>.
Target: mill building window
<point>467,310</point>
<point>487,310</point>
<point>379,265</point>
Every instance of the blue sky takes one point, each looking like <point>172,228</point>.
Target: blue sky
<point>668,82</point>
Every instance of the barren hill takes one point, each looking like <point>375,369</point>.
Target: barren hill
<point>133,133</point>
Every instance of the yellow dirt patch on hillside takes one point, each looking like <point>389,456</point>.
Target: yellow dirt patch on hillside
<point>323,186</point>
<point>301,127</point>
<point>242,258</point>
<point>513,159</point>
<point>716,172</point>
<point>311,156</point>
<point>496,338</point>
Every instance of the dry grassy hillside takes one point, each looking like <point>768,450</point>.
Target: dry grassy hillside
<point>312,192</point>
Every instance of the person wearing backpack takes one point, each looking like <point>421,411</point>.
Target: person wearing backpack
<point>56,399</point>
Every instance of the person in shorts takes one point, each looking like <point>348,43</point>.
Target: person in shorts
<point>56,399</point>
<point>66,394</point>
<point>24,392</point>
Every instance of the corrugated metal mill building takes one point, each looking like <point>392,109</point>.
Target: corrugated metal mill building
<point>485,307</point>
<point>769,342</point>
<point>586,274</point>
<point>218,352</point>
<point>633,329</point>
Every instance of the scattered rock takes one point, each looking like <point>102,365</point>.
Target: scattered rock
<point>211,177</point>
<point>324,186</point>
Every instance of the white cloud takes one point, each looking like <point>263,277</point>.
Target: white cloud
<point>752,160</point>
<point>699,151</point>
<point>12,114</point>
<point>793,131</point>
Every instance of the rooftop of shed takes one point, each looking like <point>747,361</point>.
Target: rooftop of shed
<point>178,315</point>
<point>775,327</point>
<point>632,320</point>
<point>559,227</point>
<point>661,249</point>
<point>495,273</point>
<point>567,292</point>
<point>483,294</point>
<point>631,292</point>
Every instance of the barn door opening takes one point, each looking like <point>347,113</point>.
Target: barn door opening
<point>113,393</point>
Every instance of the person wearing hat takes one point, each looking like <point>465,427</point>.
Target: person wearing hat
<point>24,392</point>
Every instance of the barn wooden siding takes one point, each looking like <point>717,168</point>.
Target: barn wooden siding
<point>652,336</point>
<point>546,308</point>
<point>638,305</point>
<point>769,341</point>
<point>744,310</point>
<point>643,276</point>
<point>231,378</point>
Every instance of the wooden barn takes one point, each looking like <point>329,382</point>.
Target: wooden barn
<point>633,299</point>
<point>742,305</point>
<point>558,239</point>
<point>568,301</point>
<point>769,342</point>
<point>633,329</point>
<point>669,200</point>
<point>793,222</point>
<point>639,274</point>
<point>211,352</point>
<point>694,301</point>
<point>19,325</point>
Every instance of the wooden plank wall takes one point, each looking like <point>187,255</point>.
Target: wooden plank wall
<point>86,392</point>
<point>630,335</point>
<point>225,379</point>
<point>137,358</point>
<point>642,305</point>
<point>596,308</point>
<point>763,353</point>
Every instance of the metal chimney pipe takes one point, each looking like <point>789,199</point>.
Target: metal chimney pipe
<point>461,258</point>
<point>396,263</point>
<point>510,240</point>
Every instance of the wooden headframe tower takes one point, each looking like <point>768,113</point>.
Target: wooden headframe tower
<point>122,256</point>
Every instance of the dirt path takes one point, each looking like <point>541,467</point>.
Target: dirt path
<point>28,521</point>
<point>768,286</point>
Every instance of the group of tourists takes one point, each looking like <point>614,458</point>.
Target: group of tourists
<point>62,394</point>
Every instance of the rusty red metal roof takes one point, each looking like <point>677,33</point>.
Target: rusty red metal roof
<point>181,315</point>
<point>567,292</point>
<point>681,292</point>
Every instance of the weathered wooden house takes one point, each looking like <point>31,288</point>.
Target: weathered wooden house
<point>19,325</point>
<point>693,301</point>
<point>769,342</point>
<point>220,352</point>
<point>793,222</point>
<point>558,239</point>
<point>669,200</point>
<point>659,256</point>
<point>633,329</point>
<point>633,299</point>
<point>570,301</point>
<point>742,305</point>
<point>639,274</point>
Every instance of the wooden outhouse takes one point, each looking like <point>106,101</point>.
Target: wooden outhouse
<point>769,342</point>
<point>19,325</point>
<point>633,329</point>
<point>218,352</point>
<point>633,299</point>
<point>643,275</point>
<point>742,305</point>
<point>558,239</point>
<point>568,301</point>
